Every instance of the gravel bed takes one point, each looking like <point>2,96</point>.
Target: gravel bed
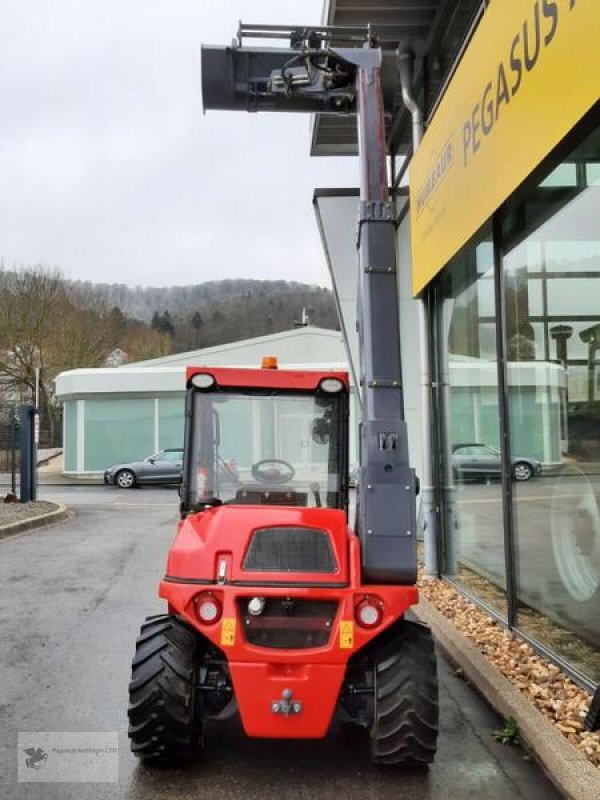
<point>16,512</point>
<point>560,700</point>
<point>583,655</point>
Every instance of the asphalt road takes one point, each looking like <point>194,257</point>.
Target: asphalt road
<point>72,598</point>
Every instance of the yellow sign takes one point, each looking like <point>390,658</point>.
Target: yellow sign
<point>528,76</point>
<point>228,632</point>
<point>346,635</point>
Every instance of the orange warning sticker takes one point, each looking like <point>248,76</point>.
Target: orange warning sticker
<point>228,632</point>
<point>346,634</point>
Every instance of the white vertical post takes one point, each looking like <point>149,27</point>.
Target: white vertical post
<point>156,424</point>
<point>428,507</point>
<point>36,428</point>
<point>80,427</point>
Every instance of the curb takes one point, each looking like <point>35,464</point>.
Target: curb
<point>568,769</point>
<point>34,522</point>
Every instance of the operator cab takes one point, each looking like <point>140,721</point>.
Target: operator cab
<point>265,437</point>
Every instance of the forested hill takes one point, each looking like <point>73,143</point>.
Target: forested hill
<point>49,325</point>
<point>216,312</point>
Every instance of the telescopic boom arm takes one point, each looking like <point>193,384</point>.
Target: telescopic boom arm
<point>314,76</point>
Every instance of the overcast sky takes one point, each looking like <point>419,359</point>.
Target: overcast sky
<point>110,171</point>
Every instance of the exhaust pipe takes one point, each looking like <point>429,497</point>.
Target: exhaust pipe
<point>406,73</point>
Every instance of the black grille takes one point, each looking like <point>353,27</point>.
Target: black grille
<point>290,550</point>
<point>289,623</point>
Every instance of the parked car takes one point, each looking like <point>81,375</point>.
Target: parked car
<point>163,467</point>
<point>472,460</point>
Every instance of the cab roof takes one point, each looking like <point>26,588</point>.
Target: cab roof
<point>259,378</point>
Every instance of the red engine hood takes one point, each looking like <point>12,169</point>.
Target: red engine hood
<point>217,540</point>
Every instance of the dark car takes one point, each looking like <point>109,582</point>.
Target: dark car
<point>472,460</point>
<point>162,467</point>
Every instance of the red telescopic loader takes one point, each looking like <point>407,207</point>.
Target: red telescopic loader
<point>277,609</point>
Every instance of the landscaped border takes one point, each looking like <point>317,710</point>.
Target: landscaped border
<point>520,684</point>
<point>39,521</point>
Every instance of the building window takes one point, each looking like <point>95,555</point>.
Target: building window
<point>470,431</point>
<point>545,266</point>
<point>171,416</point>
<point>551,285</point>
<point>117,431</point>
<point>70,435</point>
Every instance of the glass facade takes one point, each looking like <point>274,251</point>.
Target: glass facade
<point>472,501</point>
<point>110,430</point>
<point>551,265</point>
<point>517,331</point>
<point>70,435</point>
<point>117,430</point>
<point>171,416</point>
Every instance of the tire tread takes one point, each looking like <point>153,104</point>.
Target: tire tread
<point>162,722</point>
<point>406,713</point>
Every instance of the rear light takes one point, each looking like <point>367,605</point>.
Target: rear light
<point>208,608</point>
<point>369,612</point>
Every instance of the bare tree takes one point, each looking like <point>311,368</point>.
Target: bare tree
<point>46,326</point>
<point>85,331</point>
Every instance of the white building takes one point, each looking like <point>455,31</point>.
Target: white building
<point>120,414</point>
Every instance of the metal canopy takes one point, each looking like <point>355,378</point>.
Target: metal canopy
<point>433,29</point>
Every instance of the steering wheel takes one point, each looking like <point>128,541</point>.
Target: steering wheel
<point>269,471</point>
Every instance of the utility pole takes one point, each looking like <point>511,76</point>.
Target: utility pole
<point>13,449</point>
<point>36,437</point>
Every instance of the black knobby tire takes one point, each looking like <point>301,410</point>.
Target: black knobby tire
<point>406,712</point>
<point>163,725</point>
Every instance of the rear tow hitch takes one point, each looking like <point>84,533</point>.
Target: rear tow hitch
<point>286,705</point>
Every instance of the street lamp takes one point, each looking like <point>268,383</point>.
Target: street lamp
<point>591,337</point>
<point>561,334</point>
